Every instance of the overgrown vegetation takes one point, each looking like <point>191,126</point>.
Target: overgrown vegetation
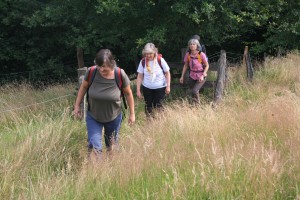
<point>246,148</point>
<point>43,36</point>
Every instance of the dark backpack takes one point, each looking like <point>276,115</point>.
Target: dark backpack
<point>203,48</point>
<point>159,56</point>
<point>118,79</point>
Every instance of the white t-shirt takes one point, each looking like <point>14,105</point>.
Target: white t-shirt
<point>156,77</point>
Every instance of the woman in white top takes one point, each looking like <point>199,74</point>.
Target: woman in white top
<point>153,78</point>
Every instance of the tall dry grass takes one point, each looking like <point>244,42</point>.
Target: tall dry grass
<point>246,148</point>
<point>37,138</point>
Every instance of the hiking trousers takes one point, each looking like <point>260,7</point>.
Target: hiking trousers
<point>153,98</point>
<point>195,87</point>
<point>111,132</point>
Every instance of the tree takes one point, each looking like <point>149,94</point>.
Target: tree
<point>50,34</point>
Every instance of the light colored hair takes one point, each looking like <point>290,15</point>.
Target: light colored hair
<point>149,48</point>
<point>194,41</point>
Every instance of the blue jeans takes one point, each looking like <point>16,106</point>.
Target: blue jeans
<point>94,129</point>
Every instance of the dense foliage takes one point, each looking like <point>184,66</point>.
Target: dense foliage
<point>43,35</point>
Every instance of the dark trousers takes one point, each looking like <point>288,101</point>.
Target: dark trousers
<point>153,98</point>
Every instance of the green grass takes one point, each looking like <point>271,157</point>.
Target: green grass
<point>245,148</point>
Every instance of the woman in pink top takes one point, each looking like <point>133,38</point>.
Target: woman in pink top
<point>195,60</point>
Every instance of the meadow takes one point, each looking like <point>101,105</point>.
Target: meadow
<point>247,147</point>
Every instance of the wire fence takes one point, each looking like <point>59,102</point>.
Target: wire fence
<point>29,74</point>
<point>231,57</point>
<point>46,75</point>
<point>25,72</point>
<point>35,104</point>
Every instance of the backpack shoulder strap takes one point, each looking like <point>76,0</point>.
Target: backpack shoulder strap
<point>91,77</point>
<point>159,56</point>
<point>199,57</point>
<point>118,77</point>
<point>92,74</point>
<point>119,82</point>
<point>143,62</point>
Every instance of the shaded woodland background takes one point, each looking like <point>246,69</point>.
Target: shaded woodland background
<point>45,38</point>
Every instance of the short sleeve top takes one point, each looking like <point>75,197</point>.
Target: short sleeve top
<point>155,78</point>
<point>105,97</point>
<point>196,68</point>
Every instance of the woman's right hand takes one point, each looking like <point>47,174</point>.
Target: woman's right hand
<point>181,80</point>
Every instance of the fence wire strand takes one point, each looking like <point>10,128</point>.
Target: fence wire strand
<point>27,106</point>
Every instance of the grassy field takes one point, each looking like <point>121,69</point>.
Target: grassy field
<point>245,148</point>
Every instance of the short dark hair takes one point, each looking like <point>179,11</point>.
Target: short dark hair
<point>104,56</point>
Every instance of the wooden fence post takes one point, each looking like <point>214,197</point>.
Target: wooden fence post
<point>81,72</point>
<point>249,68</point>
<point>279,52</point>
<point>80,59</point>
<point>221,78</point>
<point>247,63</point>
<point>183,52</point>
<point>245,56</point>
<point>187,73</point>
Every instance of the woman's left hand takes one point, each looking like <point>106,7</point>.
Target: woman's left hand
<point>202,77</point>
